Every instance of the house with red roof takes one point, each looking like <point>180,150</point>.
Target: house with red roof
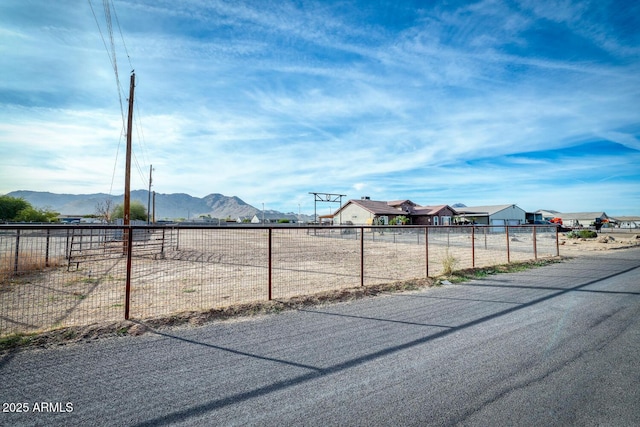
<point>365,211</point>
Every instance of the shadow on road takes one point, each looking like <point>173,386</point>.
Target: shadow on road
<point>316,372</point>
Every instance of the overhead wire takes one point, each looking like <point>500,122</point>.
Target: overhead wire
<point>108,7</point>
<point>136,119</point>
<point>140,132</point>
<point>122,37</point>
<point>118,89</point>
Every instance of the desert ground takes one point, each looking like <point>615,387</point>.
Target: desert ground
<point>607,240</point>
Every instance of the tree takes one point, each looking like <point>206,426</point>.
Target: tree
<point>137,211</point>
<point>104,209</point>
<point>19,210</point>
<point>30,214</point>
<point>11,206</point>
<point>399,220</point>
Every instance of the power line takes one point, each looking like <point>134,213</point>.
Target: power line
<point>122,37</point>
<point>138,126</point>
<point>109,9</point>
<point>140,132</point>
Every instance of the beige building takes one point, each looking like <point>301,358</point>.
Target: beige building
<point>374,212</point>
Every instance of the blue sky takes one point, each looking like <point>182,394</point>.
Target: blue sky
<point>535,102</point>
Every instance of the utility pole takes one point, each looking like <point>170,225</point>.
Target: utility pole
<point>127,179</point>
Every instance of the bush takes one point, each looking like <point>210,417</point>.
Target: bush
<point>582,234</point>
<point>449,263</point>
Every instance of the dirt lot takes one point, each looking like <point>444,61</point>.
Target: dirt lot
<point>606,240</point>
<point>205,270</point>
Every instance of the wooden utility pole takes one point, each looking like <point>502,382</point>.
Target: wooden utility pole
<point>127,177</point>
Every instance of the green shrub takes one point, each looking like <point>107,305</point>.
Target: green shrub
<point>582,234</point>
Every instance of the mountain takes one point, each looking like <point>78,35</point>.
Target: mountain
<point>167,206</point>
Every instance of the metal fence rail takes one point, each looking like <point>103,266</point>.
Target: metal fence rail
<point>54,276</point>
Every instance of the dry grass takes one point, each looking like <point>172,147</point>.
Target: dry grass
<point>449,263</point>
<point>27,263</point>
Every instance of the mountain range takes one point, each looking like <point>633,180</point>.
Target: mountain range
<point>167,206</point>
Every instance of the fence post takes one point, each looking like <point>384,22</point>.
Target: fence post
<point>162,244</point>
<point>67,249</point>
<point>484,231</point>
<point>362,255</point>
<point>46,256</point>
<point>270,262</point>
<point>508,250</point>
<point>127,293</point>
<point>426,248</point>
<point>558,242</point>
<point>473,246</point>
<point>535,244</point>
<point>17,254</point>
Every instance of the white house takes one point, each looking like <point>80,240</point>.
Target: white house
<point>583,219</point>
<point>628,222</point>
<point>493,215</point>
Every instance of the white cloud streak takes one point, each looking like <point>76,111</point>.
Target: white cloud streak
<point>269,102</point>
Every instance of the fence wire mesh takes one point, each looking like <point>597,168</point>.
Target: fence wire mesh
<point>57,276</point>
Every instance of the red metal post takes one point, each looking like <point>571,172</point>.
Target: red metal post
<point>508,250</point>
<point>127,292</point>
<point>270,263</point>
<point>426,248</point>
<point>362,255</point>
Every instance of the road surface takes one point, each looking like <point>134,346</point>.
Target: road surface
<point>558,345</point>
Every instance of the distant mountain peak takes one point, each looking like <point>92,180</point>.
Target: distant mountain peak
<point>168,206</point>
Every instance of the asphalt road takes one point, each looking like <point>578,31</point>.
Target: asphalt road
<point>558,345</point>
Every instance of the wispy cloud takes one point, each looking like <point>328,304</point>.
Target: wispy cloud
<point>525,102</point>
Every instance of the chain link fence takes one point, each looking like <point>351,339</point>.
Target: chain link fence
<point>57,276</point>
